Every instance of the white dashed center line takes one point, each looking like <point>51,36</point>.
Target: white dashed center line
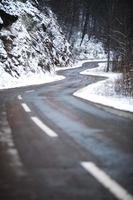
<point>118,191</point>
<point>25,107</point>
<point>20,97</point>
<point>45,128</point>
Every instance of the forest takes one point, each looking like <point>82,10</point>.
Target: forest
<point>108,21</point>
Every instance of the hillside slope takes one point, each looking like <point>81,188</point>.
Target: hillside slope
<point>31,42</point>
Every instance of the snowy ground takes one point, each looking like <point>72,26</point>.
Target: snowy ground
<point>79,63</point>
<point>103,92</point>
<point>7,81</point>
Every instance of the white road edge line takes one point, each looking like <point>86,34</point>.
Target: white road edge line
<point>118,191</point>
<point>25,107</point>
<point>28,91</point>
<point>45,128</point>
<point>20,97</point>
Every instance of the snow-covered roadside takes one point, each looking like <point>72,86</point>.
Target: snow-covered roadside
<point>8,81</point>
<point>103,92</point>
<point>79,63</point>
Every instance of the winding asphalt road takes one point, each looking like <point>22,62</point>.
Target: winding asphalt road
<point>54,146</point>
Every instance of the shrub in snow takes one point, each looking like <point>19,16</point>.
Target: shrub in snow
<point>88,49</point>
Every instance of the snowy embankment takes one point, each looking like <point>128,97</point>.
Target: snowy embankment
<point>31,44</point>
<point>30,79</point>
<point>103,92</point>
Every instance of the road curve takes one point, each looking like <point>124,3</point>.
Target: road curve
<point>54,146</point>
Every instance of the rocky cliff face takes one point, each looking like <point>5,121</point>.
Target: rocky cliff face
<point>30,40</point>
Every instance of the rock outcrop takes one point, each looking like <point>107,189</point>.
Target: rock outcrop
<point>30,40</point>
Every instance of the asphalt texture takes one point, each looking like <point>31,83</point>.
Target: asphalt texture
<point>35,166</point>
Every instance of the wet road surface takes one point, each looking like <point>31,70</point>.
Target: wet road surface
<point>52,144</point>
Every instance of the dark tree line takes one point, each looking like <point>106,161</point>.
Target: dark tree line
<point>109,21</point>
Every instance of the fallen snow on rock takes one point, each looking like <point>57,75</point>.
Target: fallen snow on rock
<point>31,46</point>
<point>8,81</point>
<point>103,92</point>
<point>88,49</point>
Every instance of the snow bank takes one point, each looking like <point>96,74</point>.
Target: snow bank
<point>103,92</point>
<point>8,81</point>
